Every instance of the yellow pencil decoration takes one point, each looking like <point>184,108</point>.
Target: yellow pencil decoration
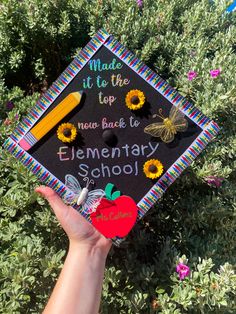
<point>50,120</point>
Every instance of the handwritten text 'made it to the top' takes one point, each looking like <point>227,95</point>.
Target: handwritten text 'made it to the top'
<point>116,79</point>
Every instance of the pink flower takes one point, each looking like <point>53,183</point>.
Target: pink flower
<point>214,181</point>
<point>215,73</point>
<point>183,270</point>
<point>139,3</point>
<point>10,105</point>
<point>191,75</point>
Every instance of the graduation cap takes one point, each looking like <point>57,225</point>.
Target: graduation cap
<point>110,136</point>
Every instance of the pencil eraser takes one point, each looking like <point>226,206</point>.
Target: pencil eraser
<point>24,144</point>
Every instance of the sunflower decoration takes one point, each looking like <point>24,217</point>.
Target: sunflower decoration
<point>66,132</point>
<point>135,99</point>
<point>153,168</point>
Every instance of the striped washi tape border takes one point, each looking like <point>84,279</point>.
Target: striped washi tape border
<point>59,85</point>
<point>177,168</point>
<point>156,82</point>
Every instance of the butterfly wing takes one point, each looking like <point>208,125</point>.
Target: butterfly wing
<point>181,126</point>
<point>159,129</point>
<point>73,185</point>
<point>167,136</point>
<point>155,129</point>
<point>178,119</point>
<point>93,200</point>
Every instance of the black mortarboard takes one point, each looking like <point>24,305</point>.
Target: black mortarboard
<point>110,136</point>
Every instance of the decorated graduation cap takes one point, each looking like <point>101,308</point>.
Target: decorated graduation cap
<point>110,136</point>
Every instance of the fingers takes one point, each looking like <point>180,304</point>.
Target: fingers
<point>53,198</point>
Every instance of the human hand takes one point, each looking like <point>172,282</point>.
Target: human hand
<point>80,232</point>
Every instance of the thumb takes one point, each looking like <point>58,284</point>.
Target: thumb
<point>53,199</point>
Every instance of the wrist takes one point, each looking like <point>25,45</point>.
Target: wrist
<point>89,249</point>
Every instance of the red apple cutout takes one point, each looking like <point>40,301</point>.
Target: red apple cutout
<point>115,218</point>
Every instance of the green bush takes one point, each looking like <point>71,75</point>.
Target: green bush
<point>196,217</point>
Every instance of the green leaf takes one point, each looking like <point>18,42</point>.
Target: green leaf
<point>108,190</point>
<point>115,195</point>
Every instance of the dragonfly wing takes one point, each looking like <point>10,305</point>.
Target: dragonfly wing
<point>155,129</point>
<point>93,200</point>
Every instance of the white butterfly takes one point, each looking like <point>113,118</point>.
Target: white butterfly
<point>89,200</point>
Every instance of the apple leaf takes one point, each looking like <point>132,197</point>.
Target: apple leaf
<point>108,190</point>
<point>115,195</point>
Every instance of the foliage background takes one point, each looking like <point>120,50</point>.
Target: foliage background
<point>196,218</point>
